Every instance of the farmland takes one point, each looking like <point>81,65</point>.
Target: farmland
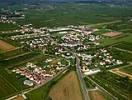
<point>7,27</point>
<point>69,14</point>
<point>112,82</point>
<point>4,46</point>
<point>10,84</point>
<point>124,45</point>
<point>66,89</point>
<point>96,95</point>
<point>127,69</point>
<point>41,48</point>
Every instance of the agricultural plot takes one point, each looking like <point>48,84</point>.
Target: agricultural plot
<point>124,45</point>
<point>6,88</point>
<point>121,55</point>
<point>7,27</point>
<point>69,14</point>
<point>123,26</point>
<point>21,59</point>
<point>96,95</point>
<point>120,87</point>
<point>112,34</point>
<point>10,83</point>
<point>67,89</point>
<point>127,69</point>
<point>4,46</point>
<point>88,83</point>
<point>112,41</point>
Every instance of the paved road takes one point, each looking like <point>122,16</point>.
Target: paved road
<point>80,76</point>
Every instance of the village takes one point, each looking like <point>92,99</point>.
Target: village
<point>55,42</point>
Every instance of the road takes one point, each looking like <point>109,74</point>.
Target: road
<point>80,76</point>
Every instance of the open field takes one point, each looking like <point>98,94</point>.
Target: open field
<point>96,95</point>
<point>6,46</point>
<point>67,89</point>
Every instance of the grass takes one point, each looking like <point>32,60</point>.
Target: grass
<point>66,89</point>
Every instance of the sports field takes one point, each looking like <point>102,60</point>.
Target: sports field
<point>67,89</point>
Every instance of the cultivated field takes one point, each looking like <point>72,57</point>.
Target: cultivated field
<point>121,73</point>
<point>5,87</point>
<point>127,69</point>
<point>112,34</point>
<point>4,46</point>
<point>96,95</point>
<point>67,88</point>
